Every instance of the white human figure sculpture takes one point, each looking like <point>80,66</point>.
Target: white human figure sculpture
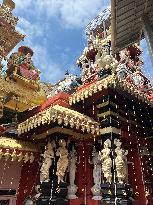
<point>72,188</point>
<point>138,79</point>
<point>120,161</point>
<point>72,165</point>
<point>106,161</point>
<point>38,193</point>
<point>97,167</point>
<point>105,60</point>
<point>123,56</point>
<point>96,189</point>
<point>62,163</point>
<point>47,162</point>
<point>28,202</point>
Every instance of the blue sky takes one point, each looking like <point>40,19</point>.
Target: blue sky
<point>55,31</point>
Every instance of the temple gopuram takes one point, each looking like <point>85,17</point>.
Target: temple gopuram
<point>85,140</point>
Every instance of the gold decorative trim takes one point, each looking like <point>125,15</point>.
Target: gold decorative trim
<point>105,104</point>
<point>17,150</point>
<point>104,114</point>
<point>66,131</point>
<point>110,81</point>
<point>91,89</point>
<point>26,97</point>
<point>18,144</point>
<point>110,130</point>
<point>117,116</point>
<point>60,115</point>
<point>20,156</point>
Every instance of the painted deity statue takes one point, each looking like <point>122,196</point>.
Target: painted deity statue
<point>120,161</point>
<point>47,162</point>
<point>106,161</point>
<point>62,163</point>
<point>21,63</point>
<point>26,68</point>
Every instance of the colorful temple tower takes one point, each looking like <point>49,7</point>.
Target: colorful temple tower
<point>89,142</point>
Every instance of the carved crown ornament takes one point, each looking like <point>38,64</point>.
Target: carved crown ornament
<point>61,115</point>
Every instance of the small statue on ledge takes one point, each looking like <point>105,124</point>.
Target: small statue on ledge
<point>72,188</point>
<point>47,162</point>
<point>21,63</point>
<point>106,161</point>
<point>62,163</point>
<point>96,189</point>
<point>120,161</point>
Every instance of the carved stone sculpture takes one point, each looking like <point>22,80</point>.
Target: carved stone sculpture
<point>72,188</point>
<point>47,162</point>
<point>96,189</point>
<point>62,163</point>
<point>72,165</point>
<point>106,161</point>
<point>104,60</point>
<point>120,161</point>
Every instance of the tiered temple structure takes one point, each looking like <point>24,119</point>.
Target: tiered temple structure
<point>89,142</point>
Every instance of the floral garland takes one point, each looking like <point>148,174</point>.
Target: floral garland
<point>61,115</point>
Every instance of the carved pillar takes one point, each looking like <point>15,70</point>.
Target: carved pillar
<point>108,113</point>
<point>109,120</point>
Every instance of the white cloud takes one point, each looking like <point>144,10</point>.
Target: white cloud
<point>23,4</point>
<point>71,13</point>
<point>35,20</point>
<point>26,27</point>
<point>78,12</point>
<point>51,71</point>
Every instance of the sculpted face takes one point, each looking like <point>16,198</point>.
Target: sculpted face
<point>28,58</point>
<point>62,143</point>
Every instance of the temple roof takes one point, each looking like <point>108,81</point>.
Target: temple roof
<point>108,82</point>
<point>61,115</point>
<point>18,150</point>
<point>127,21</point>
<point>10,143</point>
<point>26,96</point>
